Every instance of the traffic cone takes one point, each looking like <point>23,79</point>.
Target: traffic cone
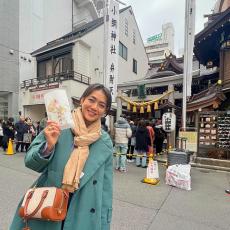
<point>152,175</point>
<point>10,149</point>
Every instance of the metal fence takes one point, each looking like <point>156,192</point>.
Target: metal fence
<point>59,77</point>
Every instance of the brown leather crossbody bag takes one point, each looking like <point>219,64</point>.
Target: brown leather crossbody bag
<point>46,203</point>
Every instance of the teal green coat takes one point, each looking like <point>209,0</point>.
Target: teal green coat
<point>95,192</point>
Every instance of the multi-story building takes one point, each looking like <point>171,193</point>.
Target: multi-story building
<point>25,26</point>
<point>75,60</point>
<point>160,45</point>
<point>39,26</point>
<point>9,62</point>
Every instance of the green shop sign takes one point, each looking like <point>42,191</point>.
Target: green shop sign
<point>156,37</point>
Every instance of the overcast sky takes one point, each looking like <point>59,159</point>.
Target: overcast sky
<point>151,14</point>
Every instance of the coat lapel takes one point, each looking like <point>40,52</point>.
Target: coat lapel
<point>99,153</point>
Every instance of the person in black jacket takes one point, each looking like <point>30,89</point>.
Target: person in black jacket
<point>160,135</point>
<point>1,132</point>
<point>142,143</point>
<point>8,132</point>
<point>20,129</point>
<point>103,124</point>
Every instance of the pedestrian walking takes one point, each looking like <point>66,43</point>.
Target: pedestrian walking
<point>142,143</point>
<point>1,132</point>
<point>122,133</point>
<point>149,126</point>
<point>78,160</point>
<point>103,124</point>
<point>131,147</point>
<point>20,131</point>
<point>8,132</point>
<point>37,128</point>
<point>29,133</point>
<point>159,137</point>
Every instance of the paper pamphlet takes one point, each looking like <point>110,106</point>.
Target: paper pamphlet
<point>58,108</point>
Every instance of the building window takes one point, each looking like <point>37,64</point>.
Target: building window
<point>134,66</point>
<point>126,27</point>
<point>54,65</point>
<point>4,107</point>
<point>134,37</point>
<point>123,51</point>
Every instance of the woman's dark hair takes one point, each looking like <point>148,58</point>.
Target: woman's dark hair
<point>147,122</point>
<point>142,123</point>
<point>11,119</point>
<point>95,87</point>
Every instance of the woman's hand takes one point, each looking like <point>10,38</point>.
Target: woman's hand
<point>52,132</point>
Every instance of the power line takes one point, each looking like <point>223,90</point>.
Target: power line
<point>13,48</point>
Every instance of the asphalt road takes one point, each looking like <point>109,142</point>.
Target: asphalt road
<point>137,206</point>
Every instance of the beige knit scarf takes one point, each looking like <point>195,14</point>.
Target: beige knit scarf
<point>84,136</point>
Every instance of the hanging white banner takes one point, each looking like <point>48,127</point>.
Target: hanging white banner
<point>113,48</point>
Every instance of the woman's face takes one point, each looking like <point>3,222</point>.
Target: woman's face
<point>93,106</point>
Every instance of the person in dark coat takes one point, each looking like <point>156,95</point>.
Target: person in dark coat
<point>103,124</point>
<point>30,131</point>
<point>1,132</point>
<point>142,143</point>
<point>159,137</point>
<point>8,132</point>
<point>20,129</point>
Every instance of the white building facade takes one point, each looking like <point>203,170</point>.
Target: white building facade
<point>42,21</point>
<point>76,60</point>
<point>159,45</point>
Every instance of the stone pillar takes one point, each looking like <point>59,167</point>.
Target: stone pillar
<point>13,105</point>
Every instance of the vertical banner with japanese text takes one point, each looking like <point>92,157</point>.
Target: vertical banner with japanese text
<point>113,48</point>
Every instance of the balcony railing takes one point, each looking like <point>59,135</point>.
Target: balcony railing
<point>56,78</point>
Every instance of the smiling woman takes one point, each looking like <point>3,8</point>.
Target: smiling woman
<point>95,102</point>
<point>78,161</point>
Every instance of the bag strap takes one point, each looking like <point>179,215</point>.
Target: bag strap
<point>30,195</point>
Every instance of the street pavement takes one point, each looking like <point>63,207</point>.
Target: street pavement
<point>137,206</point>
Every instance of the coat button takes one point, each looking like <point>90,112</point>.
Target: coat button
<point>94,182</point>
<point>92,210</point>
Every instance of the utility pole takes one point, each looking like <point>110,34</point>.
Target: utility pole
<point>188,54</point>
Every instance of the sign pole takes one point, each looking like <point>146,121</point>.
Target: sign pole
<point>188,55</point>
